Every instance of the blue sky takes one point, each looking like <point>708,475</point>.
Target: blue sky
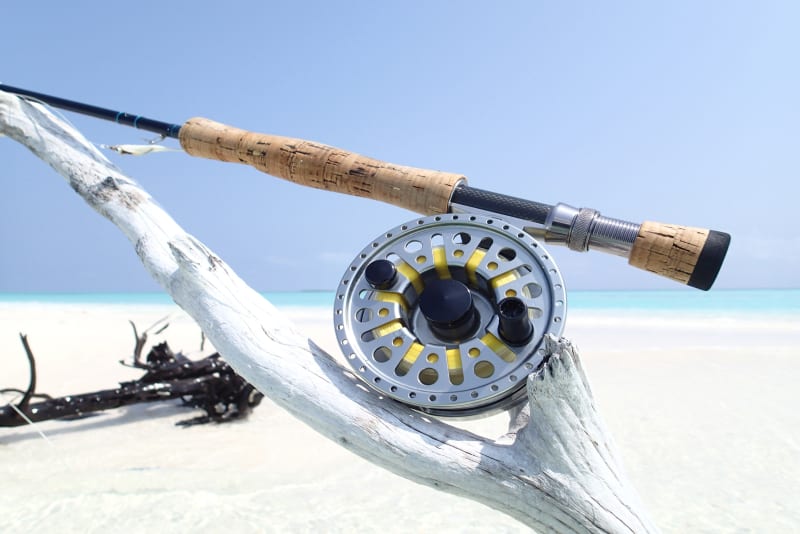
<point>683,112</point>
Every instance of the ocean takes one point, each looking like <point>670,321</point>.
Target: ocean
<point>758,302</point>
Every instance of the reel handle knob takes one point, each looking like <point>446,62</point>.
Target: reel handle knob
<point>381,274</point>
<point>515,324</point>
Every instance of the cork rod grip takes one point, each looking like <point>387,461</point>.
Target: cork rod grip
<point>321,166</point>
<point>692,256</point>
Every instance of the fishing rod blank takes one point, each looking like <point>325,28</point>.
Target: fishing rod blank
<point>689,255</point>
<point>137,121</point>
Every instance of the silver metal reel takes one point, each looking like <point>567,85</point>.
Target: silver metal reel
<point>435,313</point>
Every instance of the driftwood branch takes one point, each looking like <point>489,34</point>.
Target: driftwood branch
<point>141,340</point>
<point>32,364</point>
<point>30,392</point>
<point>556,470</point>
<point>209,384</point>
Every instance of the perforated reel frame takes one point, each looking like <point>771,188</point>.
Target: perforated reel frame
<point>390,345</point>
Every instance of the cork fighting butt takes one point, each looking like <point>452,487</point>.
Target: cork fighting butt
<point>691,256</point>
<point>321,166</point>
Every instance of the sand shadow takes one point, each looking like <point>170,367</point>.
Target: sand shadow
<point>109,418</point>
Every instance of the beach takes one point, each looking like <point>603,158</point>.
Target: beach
<point>702,405</point>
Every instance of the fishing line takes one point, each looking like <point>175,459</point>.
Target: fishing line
<point>27,419</point>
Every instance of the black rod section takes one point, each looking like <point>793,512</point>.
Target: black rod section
<point>137,121</point>
<point>519,208</point>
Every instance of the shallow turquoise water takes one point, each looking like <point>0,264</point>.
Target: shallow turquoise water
<point>735,301</point>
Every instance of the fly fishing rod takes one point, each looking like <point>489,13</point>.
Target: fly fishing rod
<point>447,313</point>
<point>691,256</point>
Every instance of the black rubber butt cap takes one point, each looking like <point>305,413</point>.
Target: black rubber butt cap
<point>710,261</point>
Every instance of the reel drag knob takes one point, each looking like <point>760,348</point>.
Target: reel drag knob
<point>447,306</point>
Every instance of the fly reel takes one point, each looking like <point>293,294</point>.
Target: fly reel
<point>448,313</point>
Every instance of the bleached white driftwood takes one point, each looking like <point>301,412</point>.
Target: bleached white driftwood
<point>556,470</point>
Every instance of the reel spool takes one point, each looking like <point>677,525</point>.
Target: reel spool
<point>448,313</point>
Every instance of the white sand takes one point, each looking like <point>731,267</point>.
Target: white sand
<point>705,414</point>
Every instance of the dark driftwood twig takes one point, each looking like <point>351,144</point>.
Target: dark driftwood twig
<point>32,382</point>
<point>210,384</point>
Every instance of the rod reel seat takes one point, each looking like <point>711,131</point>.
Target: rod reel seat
<point>448,313</point>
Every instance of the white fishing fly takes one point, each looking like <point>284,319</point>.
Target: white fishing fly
<point>138,150</point>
